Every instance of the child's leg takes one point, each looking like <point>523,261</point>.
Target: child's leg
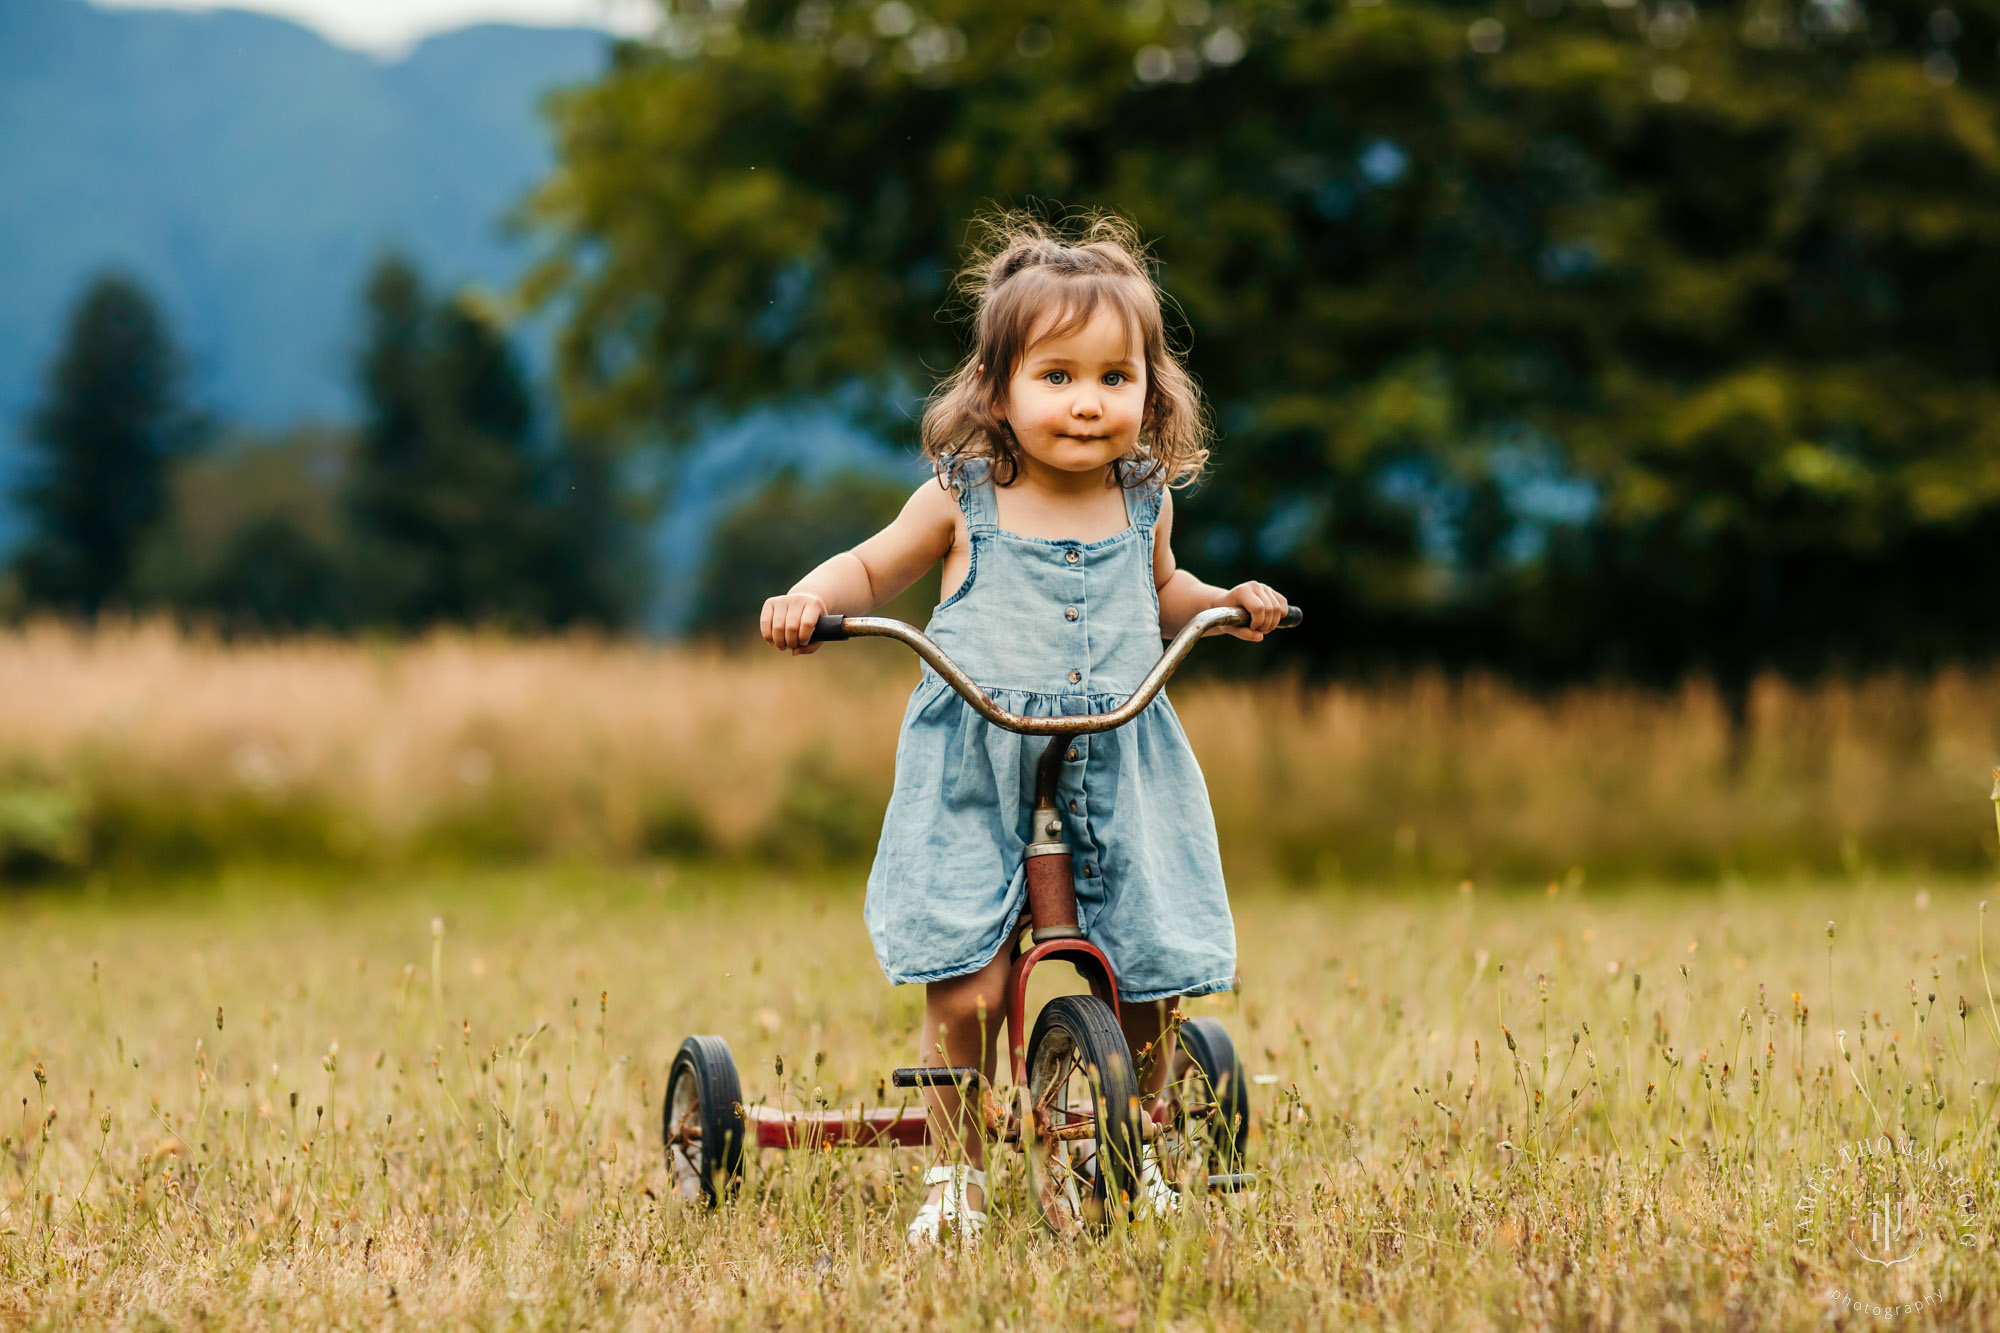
<point>963,1015</point>
<point>1143,1022</point>
<point>1152,1061</point>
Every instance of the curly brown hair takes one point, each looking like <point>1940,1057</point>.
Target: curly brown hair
<point>1027,281</point>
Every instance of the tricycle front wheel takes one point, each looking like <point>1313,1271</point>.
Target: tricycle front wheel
<point>1081,1129</point>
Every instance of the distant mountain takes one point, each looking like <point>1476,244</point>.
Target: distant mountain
<point>248,172</point>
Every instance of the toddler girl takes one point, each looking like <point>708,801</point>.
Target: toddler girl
<point>1055,443</point>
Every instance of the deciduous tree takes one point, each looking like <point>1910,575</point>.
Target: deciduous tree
<point>1568,337</point>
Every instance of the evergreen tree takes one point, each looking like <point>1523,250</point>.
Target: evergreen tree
<point>110,424</point>
<point>458,515</point>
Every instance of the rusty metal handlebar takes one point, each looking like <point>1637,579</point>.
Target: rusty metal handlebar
<point>834,628</point>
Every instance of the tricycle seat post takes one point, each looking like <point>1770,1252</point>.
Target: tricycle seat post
<point>1050,864</point>
<point>1052,895</point>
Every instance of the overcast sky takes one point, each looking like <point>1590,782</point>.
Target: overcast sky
<point>389,27</point>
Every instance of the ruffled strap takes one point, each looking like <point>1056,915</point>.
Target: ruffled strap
<point>971,481</point>
<point>1142,502</point>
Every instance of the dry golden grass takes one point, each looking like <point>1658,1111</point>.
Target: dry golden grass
<point>160,748</point>
<point>271,1105</point>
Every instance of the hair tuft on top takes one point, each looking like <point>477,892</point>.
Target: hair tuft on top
<point>1026,280</point>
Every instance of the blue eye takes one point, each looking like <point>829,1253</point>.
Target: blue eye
<point>1115,378</point>
<point>1058,377</point>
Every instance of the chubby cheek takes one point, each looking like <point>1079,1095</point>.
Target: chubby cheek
<point>1121,421</point>
<point>1039,415</point>
<point>1126,417</point>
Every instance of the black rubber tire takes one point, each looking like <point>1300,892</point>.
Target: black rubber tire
<point>704,1086</point>
<point>1205,1045</point>
<point>1078,1032</point>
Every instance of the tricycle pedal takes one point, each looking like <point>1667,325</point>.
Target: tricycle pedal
<point>936,1076</point>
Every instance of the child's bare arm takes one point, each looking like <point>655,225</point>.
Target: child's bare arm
<point>1183,596</point>
<point>862,579</point>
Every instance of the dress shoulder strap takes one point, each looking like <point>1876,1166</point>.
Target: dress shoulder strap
<point>1142,502</point>
<point>972,481</point>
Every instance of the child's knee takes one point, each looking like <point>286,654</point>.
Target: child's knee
<point>962,1006</point>
<point>965,1002</point>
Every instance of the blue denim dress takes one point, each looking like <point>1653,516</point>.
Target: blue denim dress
<point>1050,628</point>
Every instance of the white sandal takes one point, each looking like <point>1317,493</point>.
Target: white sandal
<point>950,1206</point>
<point>1157,1198</point>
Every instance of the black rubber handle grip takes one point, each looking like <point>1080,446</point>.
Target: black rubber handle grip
<point>936,1076</point>
<point>1291,618</point>
<point>830,629</point>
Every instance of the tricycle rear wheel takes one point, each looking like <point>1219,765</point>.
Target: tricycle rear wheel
<point>1207,1076</point>
<point>702,1121</point>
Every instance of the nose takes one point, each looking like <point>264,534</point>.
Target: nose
<point>1086,403</point>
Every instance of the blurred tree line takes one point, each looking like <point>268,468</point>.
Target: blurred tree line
<point>448,504</point>
<point>1616,337</point>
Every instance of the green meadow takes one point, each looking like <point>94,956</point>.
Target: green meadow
<point>261,1100</point>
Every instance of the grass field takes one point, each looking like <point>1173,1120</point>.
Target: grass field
<point>278,1105</point>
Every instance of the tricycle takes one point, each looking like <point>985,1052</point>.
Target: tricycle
<point>1075,1107</point>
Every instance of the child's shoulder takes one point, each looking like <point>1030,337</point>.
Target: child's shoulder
<point>955,489</point>
<point>935,501</point>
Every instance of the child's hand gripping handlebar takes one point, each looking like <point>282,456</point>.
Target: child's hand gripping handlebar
<point>833,628</point>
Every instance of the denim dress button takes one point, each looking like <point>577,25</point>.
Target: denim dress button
<point>1072,557</point>
<point>1075,676</point>
<point>1072,753</point>
<point>1069,613</point>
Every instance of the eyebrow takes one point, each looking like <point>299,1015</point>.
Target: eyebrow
<point>1042,358</point>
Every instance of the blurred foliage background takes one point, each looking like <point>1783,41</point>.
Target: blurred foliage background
<point>1555,343</point>
<point>1570,339</point>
